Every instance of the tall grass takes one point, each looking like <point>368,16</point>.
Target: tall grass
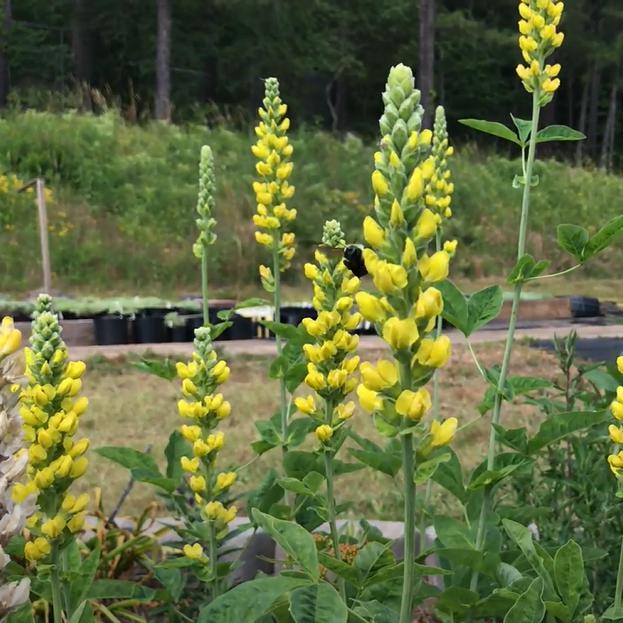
<point>124,203</point>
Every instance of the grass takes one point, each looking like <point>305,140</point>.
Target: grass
<point>131,408</point>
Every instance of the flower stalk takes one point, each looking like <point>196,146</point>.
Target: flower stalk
<point>538,40</point>
<point>273,218</point>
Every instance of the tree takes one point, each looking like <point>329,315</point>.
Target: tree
<point>4,57</point>
<point>426,73</point>
<point>163,61</point>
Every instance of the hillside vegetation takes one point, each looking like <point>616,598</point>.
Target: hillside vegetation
<point>122,211</point>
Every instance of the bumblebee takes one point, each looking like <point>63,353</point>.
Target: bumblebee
<point>353,260</point>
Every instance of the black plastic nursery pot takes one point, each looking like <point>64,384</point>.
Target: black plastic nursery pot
<point>111,329</point>
<point>294,314</point>
<point>584,307</point>
<point>242,328</point>
<point>179,333</point>
<point>150,329</point>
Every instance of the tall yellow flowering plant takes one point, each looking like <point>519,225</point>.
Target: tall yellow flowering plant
<point>272,192</point>
<point>332,365</point>
<point>51,409</point>
<point>404,266</point>
<point>203,406</point>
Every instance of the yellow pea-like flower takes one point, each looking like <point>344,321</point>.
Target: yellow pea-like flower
<point>400,333</point>
<point>382,376</point>
<point>443,433</point>
<point>429,304</point>
<point>345,411</point>
<point>413,404</point>
<point>193,552</point>
<point>225,480</point>
<point>369,399</point>
<point>370,307</point>
<point>379,184</point>
<point>427,225</point>
<point>616,434</point>
<point>436,267</point>
<point>373,233</point>
<point>306,405</point>
<point>434,353</point>
<point>324,432</point>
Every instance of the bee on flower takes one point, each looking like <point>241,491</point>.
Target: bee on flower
<point>539,38</point>
<point>51,409</point>
<point>204,406</point>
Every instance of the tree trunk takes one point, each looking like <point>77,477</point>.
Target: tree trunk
<point>163,62</point>
<point>5,76</point>
<point>607,147</point>
<point>426,72</point>
<point>593,114</point>
<point>81,42</point>
<point>579,150</point>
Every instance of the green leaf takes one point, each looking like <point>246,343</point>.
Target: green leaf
<point>373,557</point>
<point>529,608</point>
<point>573,239</point>
<point>507,574</point>
<point>525,384</point>
<point>82,614</point>
<point>22,615</point>
<point>319,603</point>
<point>560,425</point>
<point>119,589</point>
<point>612,614</point>
<point>162,368</point>
<point>157,480</point>
<point>281,329</point>
<point>493,476</point>
<point>425,471</point>
<point>340,568</point>
<point>558,133</point>
<point>294,539</point>
<point>129,458</point>
<point>524,128</point>
<point>483,307</point>
<point>249,601</point>
<point>386,463</point>
<point>78,592</point>
<point>457,600</point>
<point>296,486</point>
<point>177,447</point>
<point>453,533</point>
<point>559,610</point>
<point>492,127</point>
<point>569,574</point>
<point>604,237</point>
<point>526,268</point>
<point>450,476</point>
<point>297,463</point>
<point>455,309</point>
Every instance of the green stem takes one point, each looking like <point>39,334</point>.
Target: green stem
<point>408,466</point>
<point>619,588</point>
<point>204,286</point>
<point>55,582</point>
<point>214,561</point>
<point>283,398</point>
<point>335,538</point>
<point>558,274</point>
<point>436,415</point>
<point>512,325</point>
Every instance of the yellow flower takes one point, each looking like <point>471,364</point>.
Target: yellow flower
<point>616,434</point>
<point>190,433</point>
<point>324,432</point>
<point>616,462</point>
<point>443,433</point>
<point>314,378</point>
<point>413,405</point>
<point>616,409</point>
<point>197,484</point>
<point>214,509</point>
<point>194,552</point>
<point>429,304</point>
<point>434,353</point>
<point>52,528</point>
<point>75,369</point>
<point>373,233</point>
<point>434,268</point>
<point>345,411</point>
<point>389,278</point>
<point>225,480</point>
<point>370,307</point>
<point>427,224</point>
<point>10,337</point>
<point>306,405</point>
<point>381,377</point>
<point>400,334</point>
<point>379,184</point>
<point>79,467</point>
<point>189,465</point>
<point>368,399</point>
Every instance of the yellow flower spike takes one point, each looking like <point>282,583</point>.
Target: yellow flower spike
<point>400,333</point>
<point>323,433</point>
<point>225,480</point>
<point>443,433</point>
<point>373,233</point>
<point>382,376</point>
<point>369,399</point>
<point>436,267</point>
<point>194,552</point>
<point>413,405</point>
<point>434,353</point>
